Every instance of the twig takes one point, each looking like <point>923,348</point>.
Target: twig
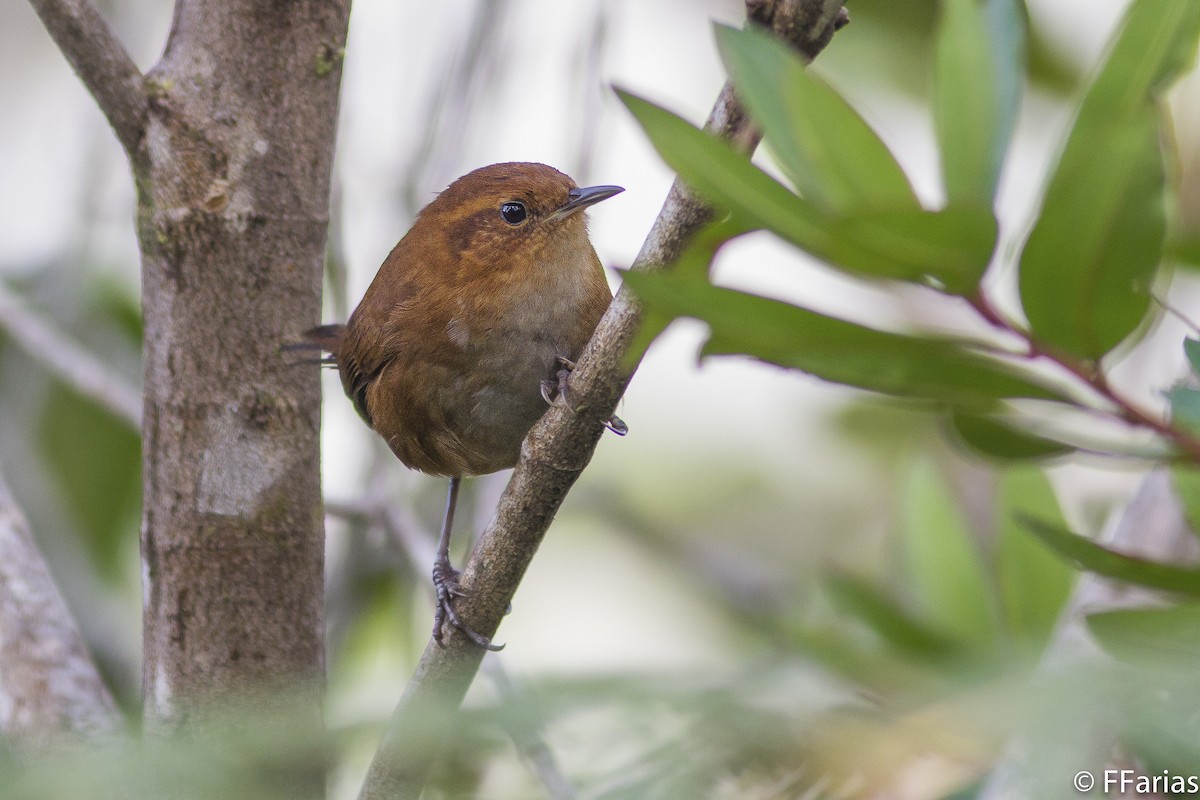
<point>100,61</point>
<point>66,359</point>
<point>403,531</point>
<point>446,129</point>
<point>589,87</point>
<point>50,689</point>
<point>559,447</point>
<point>1091,376</point>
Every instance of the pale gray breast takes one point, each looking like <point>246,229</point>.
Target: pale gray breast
<point>513,357</point>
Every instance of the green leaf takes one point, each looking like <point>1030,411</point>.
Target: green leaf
<point>996,439</point>
<point>959,241</point>
<point>693,263</point>
<point>1034,583</point>
<point>1187,486</point>
<point>976,94</point>
<point>1162,636</point>
<point>840,654</point>
<point>96,459</point>
<point>943,561</point>
<point>886,617</point>
<point>727,178</point>
<point>1087,267</point>
<point>1191,349</point>
<point>822,144</point>
<point>950,249</point>
<point>1185,408</point>
<point>833,349</point>
<point>1085,553</point>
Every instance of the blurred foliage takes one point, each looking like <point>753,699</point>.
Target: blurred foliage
<point>923,669</point>
<point>969,604</point>
<point>96,460</point>
<point>92,456</point>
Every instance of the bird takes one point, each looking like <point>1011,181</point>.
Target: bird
<point>470,328</point>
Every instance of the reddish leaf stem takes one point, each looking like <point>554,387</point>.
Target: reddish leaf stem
<point>1090,374</point>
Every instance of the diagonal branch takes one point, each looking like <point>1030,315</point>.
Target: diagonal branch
<point>100,61</point>
<point>560,446</point>
<point>50,689</point>
<point>82,371</point>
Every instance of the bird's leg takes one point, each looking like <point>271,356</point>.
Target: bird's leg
<point>445,581</point>
<point>561,388</point>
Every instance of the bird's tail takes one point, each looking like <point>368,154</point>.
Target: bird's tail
<point>325,338</point>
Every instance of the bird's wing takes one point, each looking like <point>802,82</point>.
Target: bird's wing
<point>360,360</point>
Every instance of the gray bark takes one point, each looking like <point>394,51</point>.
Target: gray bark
<point>233,177</point>
<point>230,137</point>
<point>50,690</point>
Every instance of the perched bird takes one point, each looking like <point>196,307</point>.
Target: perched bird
<point>471,327</point>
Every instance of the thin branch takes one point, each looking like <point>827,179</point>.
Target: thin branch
<point>65,358</point>
<point>559,447</point>
<point>50,689</point>
<point>1091,376</point>
<point>468,76</point>
<point>101,62</point>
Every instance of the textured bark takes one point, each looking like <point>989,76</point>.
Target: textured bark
<point>50,690</point>
<point>559,447</point>
<point>230,137</point>
<point>233,176</point>
<point>100,62</point>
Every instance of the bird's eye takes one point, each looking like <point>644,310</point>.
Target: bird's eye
<point>513,212</point>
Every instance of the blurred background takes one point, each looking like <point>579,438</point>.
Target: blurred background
<point>709,570</point>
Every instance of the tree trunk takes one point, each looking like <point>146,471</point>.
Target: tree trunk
<point>233,174</point>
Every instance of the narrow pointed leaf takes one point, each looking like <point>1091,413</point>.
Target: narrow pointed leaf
<point>949,249</point>
<point>833,349</point>
<point>976,94</point>
<point>945,567</point>
<point>1158,635</point>
<point>996,439</point>
<point>821,143</point>
<point>729,179</point>
<point>1034,582</point>
<point>1085,553</point>
<point>1089,261</point>
<point>1191,349</point>
<point>1087,266</point>
<point>959,241</point>
<point>886,616</point>
<point>1187,487</point>
<point>1185,408</point>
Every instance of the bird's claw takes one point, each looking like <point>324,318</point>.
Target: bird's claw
<point>447,587</point>
<point>561,389</point>
<point>616,425</point>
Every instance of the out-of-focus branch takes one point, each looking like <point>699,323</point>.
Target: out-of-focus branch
<point>50,689</point>
<point>527,738</point>
<point>560,446</point>
<point>100,61</point>
<point>448,114</point>
<point>66,359</point>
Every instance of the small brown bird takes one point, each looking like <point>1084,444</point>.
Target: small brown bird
<point>471,327</point>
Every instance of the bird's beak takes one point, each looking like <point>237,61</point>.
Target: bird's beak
<point>585,196</point>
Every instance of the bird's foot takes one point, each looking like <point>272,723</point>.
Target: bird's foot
<point>561,388</point>
<point>447,587</point>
